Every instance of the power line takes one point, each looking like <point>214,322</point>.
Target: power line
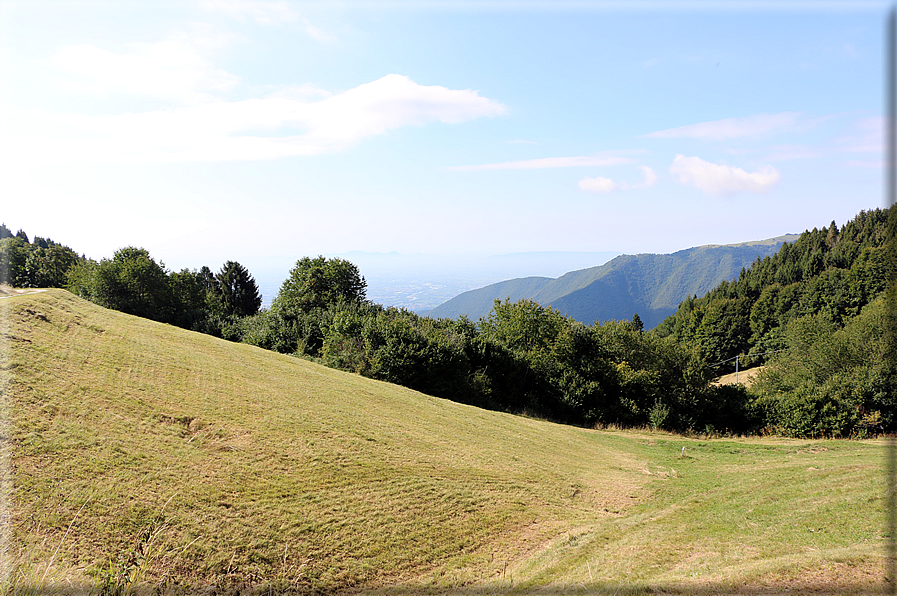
<point>735,358</point>
<point>744,355</point>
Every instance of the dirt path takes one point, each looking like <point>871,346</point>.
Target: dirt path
<point>6,291</point>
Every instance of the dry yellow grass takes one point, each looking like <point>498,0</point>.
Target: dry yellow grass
<point>281,474</point>
<point>744,377</point>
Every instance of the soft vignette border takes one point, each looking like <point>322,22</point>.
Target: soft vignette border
<point>7,557</point>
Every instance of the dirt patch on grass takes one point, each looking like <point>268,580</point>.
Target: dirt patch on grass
<point>744,377</point>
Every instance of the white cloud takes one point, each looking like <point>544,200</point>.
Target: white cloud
<point>301,92</point>
<point>241,130</point>
<point>176,68</point>
<point>265,13</point>
<point>722,180</point>
<point>604,185</point>
<point>732,128</point>
<point>597,184</point>
<point>649,178</point>
<point>548,162</point>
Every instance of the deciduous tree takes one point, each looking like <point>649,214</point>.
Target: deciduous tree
<point>319,283</point>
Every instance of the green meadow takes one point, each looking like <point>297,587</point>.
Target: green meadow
<point>140,456</point>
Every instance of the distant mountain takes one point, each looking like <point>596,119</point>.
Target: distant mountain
<point>420,282</point>
<point>648,284</point>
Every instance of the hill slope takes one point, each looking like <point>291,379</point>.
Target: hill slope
<point>648,284</point>
<point>240,468</point>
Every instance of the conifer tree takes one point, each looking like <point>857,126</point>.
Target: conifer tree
<point>237,290</point>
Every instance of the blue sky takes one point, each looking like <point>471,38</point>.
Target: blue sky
<point>262,131</point>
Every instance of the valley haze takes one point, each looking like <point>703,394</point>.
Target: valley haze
<point>420,282</point>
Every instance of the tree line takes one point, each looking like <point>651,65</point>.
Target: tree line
<point>134,283</point>
<point>521,358</point>
<point>814,313</point>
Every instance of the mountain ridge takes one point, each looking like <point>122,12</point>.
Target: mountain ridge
<point>649,284</point>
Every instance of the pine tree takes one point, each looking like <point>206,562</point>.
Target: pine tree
<point>237,290</point>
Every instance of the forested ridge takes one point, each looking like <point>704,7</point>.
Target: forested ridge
<point>652,285</point>
<point>827,271</point>
<point>814,313</point>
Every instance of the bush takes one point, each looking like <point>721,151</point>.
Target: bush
<point>814,412</point>
<point>831,380</point>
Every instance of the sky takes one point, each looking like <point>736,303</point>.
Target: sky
<point>262,131</point>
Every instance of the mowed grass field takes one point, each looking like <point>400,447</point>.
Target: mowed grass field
<point>220,467</point>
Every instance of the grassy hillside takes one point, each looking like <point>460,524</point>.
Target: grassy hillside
<point>648,284</point>
<point>234,467</point>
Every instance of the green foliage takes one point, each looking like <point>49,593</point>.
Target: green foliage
<point>47,266</point>
<point>724,328</point>
<point>812,298</point>
<point>400,347</point>
<point>41,264</point>
<point>831,381</point>
<point>79,279</point>
<point>525,357</point>
<point>189,296</point>
<point>521,358</point>
<point>302,312</point>
<point>828,272</point>
<point>659,415</point>
<point>237,291</point>
<point>319,283</point>
<point>134,283</point>
<point>13,254</point>
<point>523,326</point>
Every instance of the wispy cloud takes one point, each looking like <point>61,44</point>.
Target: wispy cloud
<point>733,128</point>
<point>599,184</point>
<point>265,13</point>
<point>177,68</point>
<point>649,178</point>
<point>252,129</point>
<point>549,162</point>
<point>865,136</point>
<point>720,180</point>
<point>789,152</point>
<point>260,11</point>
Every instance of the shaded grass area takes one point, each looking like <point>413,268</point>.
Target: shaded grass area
<point>261,471</point>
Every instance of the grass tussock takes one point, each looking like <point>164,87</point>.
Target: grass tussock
<point>145,456</point>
